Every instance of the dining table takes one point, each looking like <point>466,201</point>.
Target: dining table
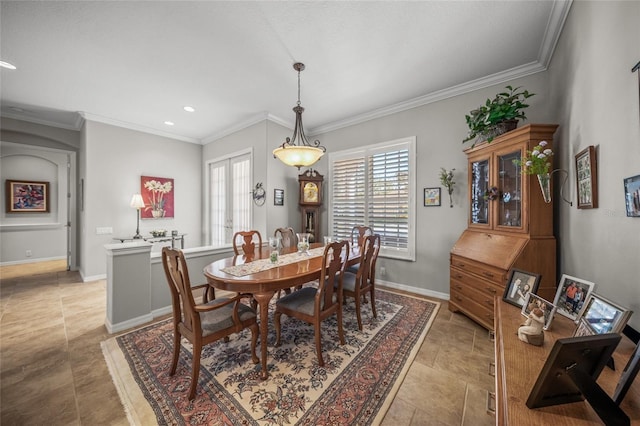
<point>259,276</point>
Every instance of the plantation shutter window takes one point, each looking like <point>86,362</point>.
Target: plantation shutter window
<point>374,187</point>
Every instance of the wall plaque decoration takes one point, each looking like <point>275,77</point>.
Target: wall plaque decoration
<point>587,178</point>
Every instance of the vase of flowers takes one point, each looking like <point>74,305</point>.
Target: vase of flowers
<point>538,162</point>
<point>156,201</point>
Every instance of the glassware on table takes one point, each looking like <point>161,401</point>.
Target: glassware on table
<point>303,242</point>
<point>274,249</point>
<point>327,240</point>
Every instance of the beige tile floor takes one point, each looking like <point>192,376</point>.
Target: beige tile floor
<point>52,371</point>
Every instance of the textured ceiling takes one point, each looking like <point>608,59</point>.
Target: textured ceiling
<point>136,64</point>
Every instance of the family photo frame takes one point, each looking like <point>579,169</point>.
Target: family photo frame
<point>587,178</point>
<point>603,316</point>
<point>27,196</point>
<point>520,283</point>
<point>278,197</point>
<point>534,301</point>
<point>571,296</point>
<point>632,195</point>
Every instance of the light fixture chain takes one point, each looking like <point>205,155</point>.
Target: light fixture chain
<point>298,87</point>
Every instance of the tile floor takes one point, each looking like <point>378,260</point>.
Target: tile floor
<point>52,370</point>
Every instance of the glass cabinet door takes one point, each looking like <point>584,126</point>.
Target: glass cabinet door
<point>510,190</point>
<point>479,185</point>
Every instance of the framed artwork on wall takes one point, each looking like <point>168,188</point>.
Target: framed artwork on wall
<point>432,197</point>
<point>25,196</point>
<point>157,194</point>
<point>278,197</point>
<point>632,195</point>
<point>587,178</point>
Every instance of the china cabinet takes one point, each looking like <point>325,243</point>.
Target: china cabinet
<point>509,226</point>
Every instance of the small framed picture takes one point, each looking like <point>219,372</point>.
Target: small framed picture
<point>571,295</point>
<point>24,196</point>
<point>583,329</point>
<point>519,285</point>
<point>278,197</point>
<point>431,197</point>
<point>604,316</point>
<point>632,196</point>
<point>587,178</point>
<point>533,301</point>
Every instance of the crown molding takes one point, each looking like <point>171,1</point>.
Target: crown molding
<point>136,127</point>
<point>23,117</point>
<point>559,13</point>
<point>247,123</point>
<point>470,86</point>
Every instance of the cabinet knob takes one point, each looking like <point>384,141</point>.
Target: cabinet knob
<point>458,298</point>
<point>461,265</point>
<point>458,286</point>
<point>487,274</point>
<point>459,276</point>
<point>491,290</point>
<point>488,302</point>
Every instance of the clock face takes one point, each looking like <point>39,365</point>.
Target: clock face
<point>310,193</point>
<point>259,196</point>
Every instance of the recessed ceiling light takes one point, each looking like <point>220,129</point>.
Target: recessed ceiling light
<point>169,123</point>
<point>189,108</point>
<point>7,65</point>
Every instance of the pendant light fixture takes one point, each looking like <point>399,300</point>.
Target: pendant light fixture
<point>303,154</point>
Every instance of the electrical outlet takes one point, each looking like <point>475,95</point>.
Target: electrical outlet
<point>28,253</point>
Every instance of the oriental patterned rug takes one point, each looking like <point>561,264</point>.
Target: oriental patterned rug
<point>355,387</point>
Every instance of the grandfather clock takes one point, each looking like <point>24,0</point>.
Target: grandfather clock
<point>310,183</point>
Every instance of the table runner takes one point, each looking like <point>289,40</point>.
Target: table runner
<point>265,264</point>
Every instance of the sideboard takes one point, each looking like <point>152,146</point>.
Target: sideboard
<point>518,364</point>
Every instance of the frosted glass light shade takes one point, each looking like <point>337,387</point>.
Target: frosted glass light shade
<point>298,156</point>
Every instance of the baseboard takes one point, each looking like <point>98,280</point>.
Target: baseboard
<point>31,260</point>
<point>125,325</point>
<point>416,290</point>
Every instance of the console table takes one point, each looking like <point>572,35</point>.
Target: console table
<point>172,238</point>
<point>518,364</point>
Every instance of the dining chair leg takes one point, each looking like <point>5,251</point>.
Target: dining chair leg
<point>340,329</point>
<point>358,313</point>
<point>195,369</point>
<point>373,303</point>
<point>176,351</point>
<point>319,345</point>
<point>276,324</point>
<point>254,342</point>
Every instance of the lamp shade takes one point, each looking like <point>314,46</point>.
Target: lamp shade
<point>137,202</point>
<point>298,156</point>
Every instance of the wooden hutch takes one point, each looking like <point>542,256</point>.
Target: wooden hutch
<point>510,226</point>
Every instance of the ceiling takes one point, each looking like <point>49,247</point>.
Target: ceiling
<point>136,64</point>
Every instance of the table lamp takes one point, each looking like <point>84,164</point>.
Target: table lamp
<point>137,203</point>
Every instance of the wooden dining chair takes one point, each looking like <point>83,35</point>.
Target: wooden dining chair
<point>202,324</point>
<point>362,282</point>
<point>315,304</point>
<point>358,233</point>
<point>245,242</point>
<point>287,237</point>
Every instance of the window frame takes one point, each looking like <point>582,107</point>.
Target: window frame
<point>408,143</point>
<point>229,158</point>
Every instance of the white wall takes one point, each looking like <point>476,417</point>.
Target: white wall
<point>114,160</point>
<point>594,96</point>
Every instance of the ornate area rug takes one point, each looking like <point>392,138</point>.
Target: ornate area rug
<point>355,387</point>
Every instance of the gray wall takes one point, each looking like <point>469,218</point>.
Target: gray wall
<point>112,161</point>
<point>439,129</point>
<point>595,97</point>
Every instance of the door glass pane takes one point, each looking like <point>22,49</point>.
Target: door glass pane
<point>510,187</point>
<point>479,186</point>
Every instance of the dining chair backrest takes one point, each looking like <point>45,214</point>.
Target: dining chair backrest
<point>358,233</point>
<point>374,258</point>
<point>367,251</point>
<point>245,242</point>
<point>287,237</point>
<point>183,303</point>
<point>330,283</point>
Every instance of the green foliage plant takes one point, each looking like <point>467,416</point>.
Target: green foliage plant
<point>446,179</point>
<point>485,121</point>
